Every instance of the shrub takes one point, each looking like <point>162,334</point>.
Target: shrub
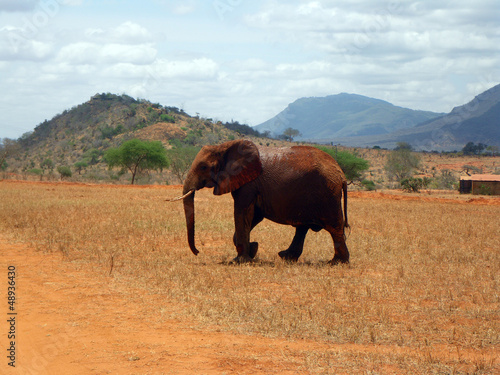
<point>401,162</point>
<point>368,185</point>
<point>167,118</point>
<point>64,171</point>
<point>414,184</point>
<point>352,166</point>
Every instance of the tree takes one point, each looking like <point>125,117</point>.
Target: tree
<point>79,165</point>
<point>45,165</point>
<point>289,134</point>
<point>401,162</point>
<point>92,156</point>
<point>472,149</point>
<point>36,171</point>
<point>137,156</point>
<point>181,160</point>
<point>352,166</point>
<point>403,146</point>
<point>8,148</point>
<point>492,150</point>
<point>64,171</point>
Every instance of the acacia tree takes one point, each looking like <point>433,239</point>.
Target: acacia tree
<point>352,166</point>
<point>289,134</point>
<point>181,160</point>
<point>47,165</point>
<point>138,156</point>
<point>402,162</point>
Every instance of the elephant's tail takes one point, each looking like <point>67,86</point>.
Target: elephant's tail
<point>344,189</point>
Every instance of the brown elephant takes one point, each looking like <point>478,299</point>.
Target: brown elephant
<point>299,186</point>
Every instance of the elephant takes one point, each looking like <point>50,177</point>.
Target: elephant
<point>300,186</point>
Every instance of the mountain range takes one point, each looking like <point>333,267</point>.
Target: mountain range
<point>355,120</point>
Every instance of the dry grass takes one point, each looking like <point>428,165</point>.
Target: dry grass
<point>421,294</point>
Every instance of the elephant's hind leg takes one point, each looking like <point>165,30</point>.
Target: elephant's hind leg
<point>341,251</point>
<point>295,250</point>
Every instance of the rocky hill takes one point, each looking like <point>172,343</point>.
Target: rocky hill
<point>344,115</point>
<point>83,133</point>
<point>477,121</point>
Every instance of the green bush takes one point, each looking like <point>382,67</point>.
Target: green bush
<point>414,184</point>
<point>167,118</point>
<point>64,171</point>
<point>368,185</point>
<point>352,166</point>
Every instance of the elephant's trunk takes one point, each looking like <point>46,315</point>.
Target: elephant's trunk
<point>189,213</point>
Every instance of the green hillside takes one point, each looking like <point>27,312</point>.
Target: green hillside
<point>82,134</point>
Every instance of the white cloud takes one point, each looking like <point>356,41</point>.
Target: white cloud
<point>141,54</point>
<point>184,8</point>
<point>126,33</point>
<point>130,33</point>
<point>94,54</point>
<point>15,46</point>
<point>196,69</point>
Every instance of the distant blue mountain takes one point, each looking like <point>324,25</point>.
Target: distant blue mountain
<point>343,115</point>
<point>477,121</point>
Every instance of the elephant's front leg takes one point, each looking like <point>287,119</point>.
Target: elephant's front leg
<point>295,250</point>
<point>243,218</point>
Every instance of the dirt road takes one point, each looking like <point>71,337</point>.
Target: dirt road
<point>73,319</point>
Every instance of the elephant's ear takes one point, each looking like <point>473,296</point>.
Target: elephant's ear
<point>240,164</point>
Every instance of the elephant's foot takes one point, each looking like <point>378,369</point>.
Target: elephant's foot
<point>341,253</point>
<point>293,253</point>
<point>241,259</point>
<point>288,255</point>
<point>336,260</point>
<point>245,256</point>
<point>252,251</point>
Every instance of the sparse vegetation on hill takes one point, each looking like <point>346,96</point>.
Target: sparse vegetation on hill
<point>79,137</point>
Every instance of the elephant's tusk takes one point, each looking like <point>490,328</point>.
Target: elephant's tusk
<point>179,198</point>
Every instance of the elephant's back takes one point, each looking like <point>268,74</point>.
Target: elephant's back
<point>301,184</point>
<point>299,162</point>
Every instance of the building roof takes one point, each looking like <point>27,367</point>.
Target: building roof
<point>481,177</point>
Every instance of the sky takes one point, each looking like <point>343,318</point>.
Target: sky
<point>242,60</point>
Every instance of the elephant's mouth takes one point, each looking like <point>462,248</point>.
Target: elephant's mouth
<point>208,183</point>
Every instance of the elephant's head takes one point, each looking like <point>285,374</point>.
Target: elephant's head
<point>225,167</point>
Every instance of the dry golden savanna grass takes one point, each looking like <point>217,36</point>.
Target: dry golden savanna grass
<point>421,294</point>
